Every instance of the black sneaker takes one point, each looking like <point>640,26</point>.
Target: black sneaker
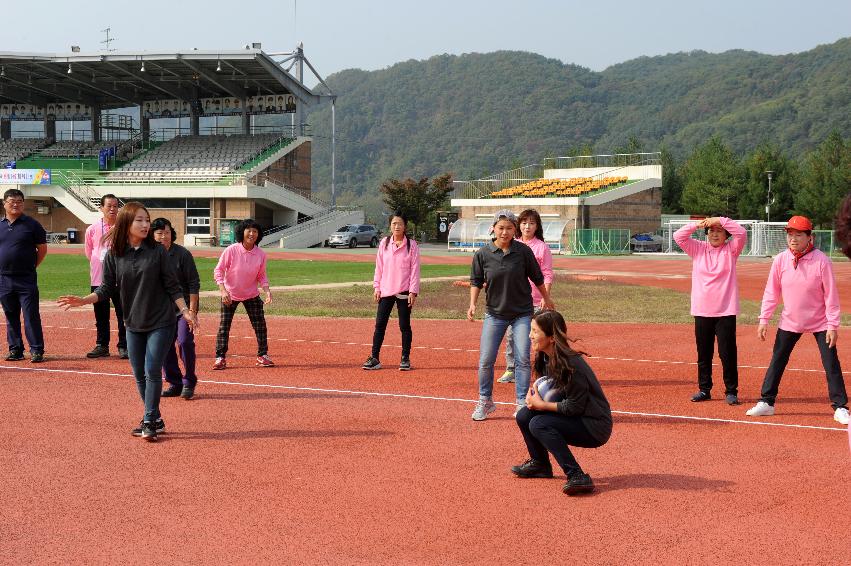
<point>159,427</point>
<point>532,468</point>
<point>405,365</point>
<point>14,356</point>
<point>732,399</point>
<point>580,482</point>
<point>99,352</point>
<point>173,391</point>
<point>149,432</point>
<point>701,396</point>
<point>36,357</point>
<point>371,363</point>
<point>122,353</point>
<point>188,392</point>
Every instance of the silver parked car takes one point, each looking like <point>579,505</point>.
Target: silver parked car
<point>353,235</point>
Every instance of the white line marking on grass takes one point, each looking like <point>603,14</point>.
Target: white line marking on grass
<point>425,398</point>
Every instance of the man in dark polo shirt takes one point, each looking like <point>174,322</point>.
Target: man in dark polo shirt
<point>23,245</point>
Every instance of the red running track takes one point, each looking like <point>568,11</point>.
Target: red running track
<point>316,461</point>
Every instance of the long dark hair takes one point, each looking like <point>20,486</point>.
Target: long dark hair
<point>401,216</point>
<point>557,367</point>
<point>843,226</point>
<point>117,236</point>
<point>531,212</point>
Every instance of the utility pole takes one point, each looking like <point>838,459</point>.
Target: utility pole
<point>108,39</point>
<point>768,199</point>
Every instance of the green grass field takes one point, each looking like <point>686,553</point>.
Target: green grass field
<point>580,301</point>
<point>69,274</point>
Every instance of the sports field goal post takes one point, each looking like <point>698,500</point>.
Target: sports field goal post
<point>764,238</point>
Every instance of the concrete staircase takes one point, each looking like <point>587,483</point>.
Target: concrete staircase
<point>312,232</point>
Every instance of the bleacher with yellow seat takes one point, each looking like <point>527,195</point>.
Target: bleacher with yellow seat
<point>574,186</point>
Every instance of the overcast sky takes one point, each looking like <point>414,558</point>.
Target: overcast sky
<point>372,35</point>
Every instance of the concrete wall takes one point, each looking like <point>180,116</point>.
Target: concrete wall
<point>634,172</point>
<point>292,169</point>
<point>635,211</point>
<point>641,212</point>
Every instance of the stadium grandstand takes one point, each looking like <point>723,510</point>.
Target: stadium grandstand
<point>203,138</point>
<point>588,204</point>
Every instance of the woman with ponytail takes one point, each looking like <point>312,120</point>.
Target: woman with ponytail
<point>564,407</point>
<point>396,282</point>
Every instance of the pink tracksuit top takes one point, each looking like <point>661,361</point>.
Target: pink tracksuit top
<point>809,295</point>
<point>545,261</point>
<point>397,270</point>
<point>96,249</point>
<point>241,271</point>
<point>714,289</point>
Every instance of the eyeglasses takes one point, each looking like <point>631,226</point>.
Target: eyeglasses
<point>15,202</point>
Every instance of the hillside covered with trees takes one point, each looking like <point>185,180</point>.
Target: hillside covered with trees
<point>478,114</point>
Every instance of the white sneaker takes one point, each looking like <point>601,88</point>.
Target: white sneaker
<point>761,409</point>
<point>841,416</point>
<point>507,377</point>
<point>483,409</point>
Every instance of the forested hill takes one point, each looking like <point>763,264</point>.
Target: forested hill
<point>482,113</point>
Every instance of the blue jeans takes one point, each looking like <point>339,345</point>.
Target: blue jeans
<point>147,352</point>
<point>493,330</point>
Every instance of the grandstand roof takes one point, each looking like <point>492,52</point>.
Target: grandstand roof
<point>120,79</point>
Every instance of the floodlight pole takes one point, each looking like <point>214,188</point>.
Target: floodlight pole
<point>768,199</point>
<point>333,152</point>
<point>298,60</point>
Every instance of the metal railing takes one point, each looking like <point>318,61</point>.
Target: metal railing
<point>479,188</point>
<point>303,193</point>
<point>307,223</point>
<point>615,160</point>
<point>77,187</point>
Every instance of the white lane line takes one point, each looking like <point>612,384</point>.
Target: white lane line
<point>476,351</point>
<point>428,398</point>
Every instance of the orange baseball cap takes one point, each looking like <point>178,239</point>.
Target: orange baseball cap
<point>801,223</point>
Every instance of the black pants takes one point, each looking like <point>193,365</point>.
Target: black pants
<point>706,329</point>
<point>784,343</point>
<point>102,321</point>
<point>545,431</point>
<point>19,293</point>
<point>385,307</point>
<point>254,308</point>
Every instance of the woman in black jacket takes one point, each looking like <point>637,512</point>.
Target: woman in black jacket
<point>564,407</point>
<point>138,269</point>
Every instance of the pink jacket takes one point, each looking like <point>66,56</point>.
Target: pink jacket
<point>396,270</point>
<point>545,261</point>
<point>809,295</point>
<point>241,271</point>
<point>96,250</point>
<point>714,289</point>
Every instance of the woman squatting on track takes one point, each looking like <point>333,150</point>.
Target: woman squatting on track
<point>139,270</point>
<point>564,407</point>
<point>396,281</point>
